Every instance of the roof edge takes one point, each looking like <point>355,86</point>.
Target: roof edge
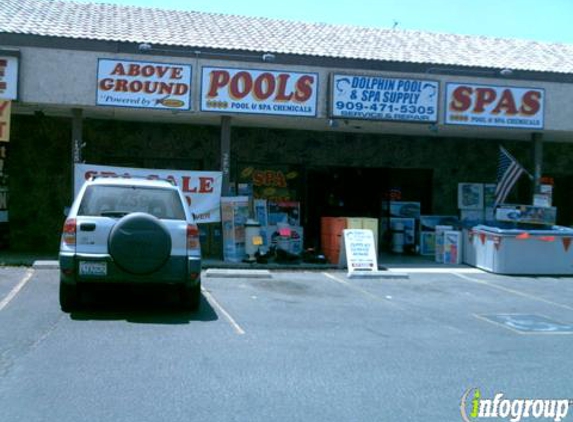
<point>11,40</point>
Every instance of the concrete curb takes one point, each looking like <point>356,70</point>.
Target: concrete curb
<point>46,265</point>
<point>377,275</point>
<point>237,273</point>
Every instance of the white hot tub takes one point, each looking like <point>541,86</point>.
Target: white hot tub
<point>518,251</point>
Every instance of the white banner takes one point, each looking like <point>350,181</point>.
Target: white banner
<point>497,106</point>
<point>225,90</point>
<point>124,83</point>
<point>8,78</point>
<point>202,189</point>
<point>382,98</point>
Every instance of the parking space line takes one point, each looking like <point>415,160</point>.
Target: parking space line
<point>12,294</point>
<point>435,270</point>
<point>360,290</point>
<point>389,302</point>
<point>512,291</point>
<point>211,299</point>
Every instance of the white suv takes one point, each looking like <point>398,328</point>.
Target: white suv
<point>133,231</point>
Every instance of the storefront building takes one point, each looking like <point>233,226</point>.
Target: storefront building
<point>337,119</point>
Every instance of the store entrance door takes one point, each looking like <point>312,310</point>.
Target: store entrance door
<point>359,192</point>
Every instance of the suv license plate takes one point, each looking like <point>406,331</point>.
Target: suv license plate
<point>93,268</point>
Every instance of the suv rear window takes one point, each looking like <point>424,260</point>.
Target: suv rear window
<point>120,200</point>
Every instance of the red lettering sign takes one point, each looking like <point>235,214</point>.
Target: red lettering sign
<point>466,98</point>
<point>494,106</point>
<point>143,84</point>
<point>262,87</point>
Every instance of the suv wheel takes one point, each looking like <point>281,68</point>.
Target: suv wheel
<point>69,296</point>
<point>190,296</point>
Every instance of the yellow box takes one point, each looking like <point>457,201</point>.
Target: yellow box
<point>364,223</point>
<point>354,223</point>
<point>371,224</point>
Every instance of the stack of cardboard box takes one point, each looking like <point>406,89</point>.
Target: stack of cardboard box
<point>331,230</point>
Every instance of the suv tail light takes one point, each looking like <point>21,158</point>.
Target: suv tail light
<point>69,232</point>
<point>193,237</point>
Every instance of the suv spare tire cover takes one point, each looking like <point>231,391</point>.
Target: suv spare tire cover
<point>139,243</point>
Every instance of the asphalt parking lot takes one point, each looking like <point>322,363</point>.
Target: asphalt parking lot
<point>298,346</point>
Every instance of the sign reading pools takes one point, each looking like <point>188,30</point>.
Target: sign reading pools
<point>123,83</point>
<point>258,92</point>
<point>483,105</point>
<point>381,98</point>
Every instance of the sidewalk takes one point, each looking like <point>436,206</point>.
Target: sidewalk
<point>385,261</point>
<point>24,259</point>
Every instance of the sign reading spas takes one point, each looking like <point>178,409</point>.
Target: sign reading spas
<point>202,189</point>
<point>123,83</point>
<point>483,105</point>
<point>8,78</point>
<point>258,91</point>
<point>381,98</point>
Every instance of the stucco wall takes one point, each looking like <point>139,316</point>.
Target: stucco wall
<point>66,77</point>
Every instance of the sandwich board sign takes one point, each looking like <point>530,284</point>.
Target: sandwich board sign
<point>358,252</point>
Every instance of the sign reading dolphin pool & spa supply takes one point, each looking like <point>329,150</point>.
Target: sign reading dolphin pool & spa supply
<point>124,83</point>
<point>226,90</point>
<point>382,98</point>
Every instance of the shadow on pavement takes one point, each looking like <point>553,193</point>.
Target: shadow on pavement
<point>138,304</point>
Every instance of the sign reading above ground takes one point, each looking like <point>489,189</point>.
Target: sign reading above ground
<point>124,83</point>
<point>250,91</point>
<point>496,106</point>
<point>382,98</point>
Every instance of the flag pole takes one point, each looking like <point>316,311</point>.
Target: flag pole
<point>518,163</point>
<point>537,139</point>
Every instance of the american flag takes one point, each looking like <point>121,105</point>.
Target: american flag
<point>508,173</point>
